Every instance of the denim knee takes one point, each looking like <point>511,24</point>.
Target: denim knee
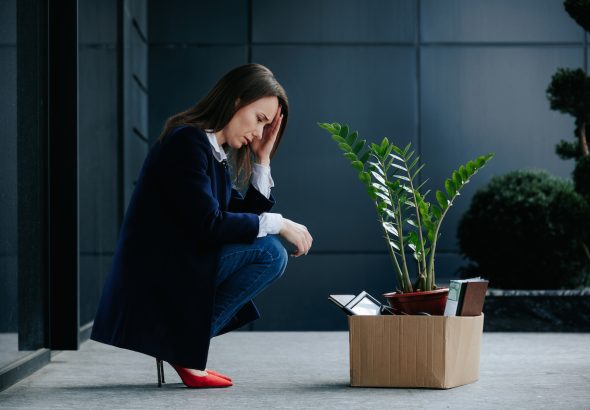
<point>277,252</point>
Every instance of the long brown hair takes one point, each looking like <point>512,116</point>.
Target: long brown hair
<point>244,85</point>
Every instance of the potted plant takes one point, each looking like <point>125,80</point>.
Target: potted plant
<point>408,220</point>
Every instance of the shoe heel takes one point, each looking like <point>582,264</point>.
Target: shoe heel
<point>160,368</point>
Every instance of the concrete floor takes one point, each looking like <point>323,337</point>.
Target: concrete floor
<point>282,370</point>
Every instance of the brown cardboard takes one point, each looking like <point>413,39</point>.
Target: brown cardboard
<point>414,351</point>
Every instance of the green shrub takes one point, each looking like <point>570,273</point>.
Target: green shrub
<point>527,230</point>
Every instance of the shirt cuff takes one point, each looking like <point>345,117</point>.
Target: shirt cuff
<point>261,179</point>
<point>270,224</point>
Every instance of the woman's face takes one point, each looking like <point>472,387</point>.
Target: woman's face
<point>249,121</point>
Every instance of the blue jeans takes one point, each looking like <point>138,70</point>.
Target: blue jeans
<point>243,272</point>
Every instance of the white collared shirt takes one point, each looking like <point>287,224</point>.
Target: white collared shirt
<point>269,223</point>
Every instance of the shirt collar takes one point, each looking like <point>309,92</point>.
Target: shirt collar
<point>218,153</point>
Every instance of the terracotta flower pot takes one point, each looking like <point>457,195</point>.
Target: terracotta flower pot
<point>432,301</point>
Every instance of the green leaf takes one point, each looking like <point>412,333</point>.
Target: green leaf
<point>384,197</point>
<point>345,147</point>
<point>365,177</point>
<point>393,185</point>
<point>412,222</point>
<point>380,188</point>
<point>389,213</point>
<point>365,157</point>
<point>327,126</point>
<point>399,167</point>
<point>394,245</point>
<point>422,184</point>
<point>405,150</point>
<point>463,173</point>
<point>442,200</point>
<point>375,166</point>
<point>390,228</point>
<point>378,177</point>
<point>457,179</point>
<point>338,138</point>
<point>450,187</point>
<point>418,171</point>
<point>401,177</point>
<point>344,131</point>
<point>384,145</point>
<point>480,162</point>
<point>397,157</point>
<point>387,151</point>
<point>358,165</point>
<point>358,146</point>
<point>407,189</point>
<point>336,126</point>
<point>470,166</point>
<point>436,212</point>
<point>352,138</point>
<point>398,151</point>
<point>413,164</point>
<point>372,192</point>
<point>350,156</point>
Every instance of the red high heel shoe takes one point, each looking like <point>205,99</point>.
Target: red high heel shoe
<point>223,376</point>
<point>192,380</point>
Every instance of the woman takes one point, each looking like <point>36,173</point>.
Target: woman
<point>193,252</point>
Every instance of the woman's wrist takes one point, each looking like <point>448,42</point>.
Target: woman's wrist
<point>263,161</point>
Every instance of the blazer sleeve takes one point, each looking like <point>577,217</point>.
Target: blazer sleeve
<point>186,186</point>
<point>253,202</point>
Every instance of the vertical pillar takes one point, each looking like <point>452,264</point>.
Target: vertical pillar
<point>63,174</point>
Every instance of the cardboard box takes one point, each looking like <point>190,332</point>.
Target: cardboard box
<point>414,351</point>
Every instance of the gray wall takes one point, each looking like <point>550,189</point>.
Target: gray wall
<point>457,78</point>
<point>8,190</point>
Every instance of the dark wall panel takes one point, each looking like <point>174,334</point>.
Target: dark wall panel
<point>331,21</point>
<point>135,93</point>
<point>97,22</point>
<point>182,76</point>
<point>8,22</point>
<point>138,11</point>
<point>98,150</point>
<point>8,175</point>
<point>480,100</point>
<point>497,21</point>
<point>93,272</point>
<point>189,21</point>
<point>371,88</point>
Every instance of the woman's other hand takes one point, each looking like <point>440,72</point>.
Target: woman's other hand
<point>263,147</point>
<point>298,235</point>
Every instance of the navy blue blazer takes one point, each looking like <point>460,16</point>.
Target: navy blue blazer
<point>159,294</point>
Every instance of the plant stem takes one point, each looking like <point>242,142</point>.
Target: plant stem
<point>407,284</point>
<point>422,260</point>
<point>434,241</point>
<point>391,252</point>
<point>584,140</point>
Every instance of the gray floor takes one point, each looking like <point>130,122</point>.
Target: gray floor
<point>9,349</point>
<point>309,370</point>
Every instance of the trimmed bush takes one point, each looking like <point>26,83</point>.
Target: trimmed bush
<point>527,230</point>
